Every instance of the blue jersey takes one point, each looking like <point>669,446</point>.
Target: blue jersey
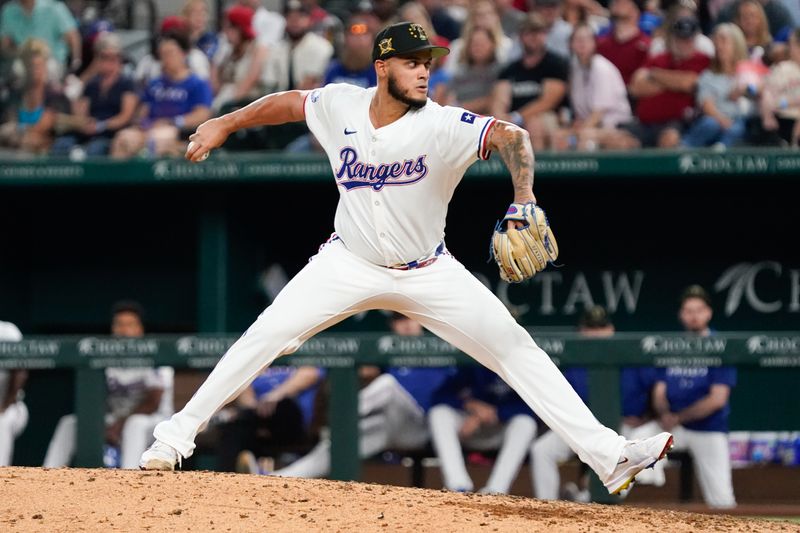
<point>421,383</point>
<point>578,377</point>
<point>686,385</point>
<point>337,73</point>
<point>209,44</point>
<point>168,99</point>
<point>274,376</point>
<point>636,384</point>
<point>482,384</point>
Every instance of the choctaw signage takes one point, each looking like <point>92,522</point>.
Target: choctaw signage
<point>740,284</point>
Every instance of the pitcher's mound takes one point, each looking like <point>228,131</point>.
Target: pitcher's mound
<point>36,499</point>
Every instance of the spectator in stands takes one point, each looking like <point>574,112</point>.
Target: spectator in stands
<point>173,104</point>
<point>573,12</point>
<point>721,120</point>
<point>196,13</point>
<point>476,72</point>
<point>664,87</point>
<point>29,124</point>
<point>240,72</point>
<point>482,14</point>
<point>778,17</point>
<point>149,67</point>
<point>692,403</point>
<point>48,20</point>
<point>597,95</point>
<point>354,64</point>
<point>625,45</point>
<point>443,22</point>
<point>270,416</point>
<point>386,12</point>
<point>548,450</point>
<point>476,408</point>
<point>107,105</point>
<point>511,18</point>
<point>391,410</point>
<point>13,411</point>
<point>364,11</point>
<point>269,26</point>
<point>323,23</point>
<point>780,101</point>
<point>558,30</point>
<point>138,399</point>
<point>683,9</point>
<point>529,91</point>
<point>299,60</point>
<point>750,17</point>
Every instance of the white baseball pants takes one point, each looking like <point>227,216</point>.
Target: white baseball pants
<point>513,439</point>
<point>711,456</point>
<point>12,423</point>
<point>445,298</point>
<point>390,418</point>
<point>136,437</point>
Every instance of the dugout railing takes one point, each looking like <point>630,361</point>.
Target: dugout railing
<point>342,354</point>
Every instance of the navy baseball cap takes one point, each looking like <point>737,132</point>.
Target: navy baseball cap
<point>404,38</point>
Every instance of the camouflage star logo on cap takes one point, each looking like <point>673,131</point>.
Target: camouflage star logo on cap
<point>417,31</point>
<point>386,46</point>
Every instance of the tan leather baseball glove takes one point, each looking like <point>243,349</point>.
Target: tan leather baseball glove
<point>522,252</point>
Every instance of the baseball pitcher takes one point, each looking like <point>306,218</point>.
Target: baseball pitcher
<point>397,157</point>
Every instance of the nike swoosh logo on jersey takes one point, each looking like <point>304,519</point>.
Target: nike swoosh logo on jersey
<point>346,132</point>
<point>623,461</point>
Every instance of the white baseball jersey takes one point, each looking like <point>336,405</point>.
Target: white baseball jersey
<point>394,182</point>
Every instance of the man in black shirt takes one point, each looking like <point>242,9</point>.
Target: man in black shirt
<point>529,91</point>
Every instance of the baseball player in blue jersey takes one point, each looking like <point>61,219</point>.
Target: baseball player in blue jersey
<point>692,402</point>
<point>479,410</point>
<point>549,450</point>
<point>391,409</point>
<point>273,413</point>
<point>397,158</point>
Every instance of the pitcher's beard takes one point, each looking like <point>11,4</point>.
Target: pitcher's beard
<point>397,94</point>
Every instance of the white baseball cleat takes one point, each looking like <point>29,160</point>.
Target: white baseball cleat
<point>635,457</point>
<point>160,456</point>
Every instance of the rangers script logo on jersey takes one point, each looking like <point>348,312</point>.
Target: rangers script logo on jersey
<point>354,174</point>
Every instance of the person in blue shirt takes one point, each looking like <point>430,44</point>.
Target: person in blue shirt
<point>391,411</point>
<point>171,106</point>
<point>692,403</point>
<point>477,409</point>
<point>549,450</point>
<point>274,413</point>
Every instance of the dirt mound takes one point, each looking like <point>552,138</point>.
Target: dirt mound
<point>36,499</point>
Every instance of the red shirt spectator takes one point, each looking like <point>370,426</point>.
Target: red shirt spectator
<point>626,55</point>
<point>670,105</point>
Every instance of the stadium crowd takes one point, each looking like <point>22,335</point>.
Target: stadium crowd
<point>578,74</point>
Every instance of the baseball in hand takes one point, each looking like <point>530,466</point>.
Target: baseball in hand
<point>203,157</point>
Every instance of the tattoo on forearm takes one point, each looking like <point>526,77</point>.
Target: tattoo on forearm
<point>517,153</point>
